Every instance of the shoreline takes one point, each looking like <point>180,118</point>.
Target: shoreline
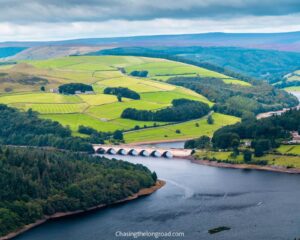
<point>141,193</point>
<point>269,168</point>
<point>245,166</point>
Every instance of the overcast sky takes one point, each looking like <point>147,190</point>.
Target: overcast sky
<point>66,19</point>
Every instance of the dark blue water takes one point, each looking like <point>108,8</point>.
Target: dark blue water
<point>254,204</point>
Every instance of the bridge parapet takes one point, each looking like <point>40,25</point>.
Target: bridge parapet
<point>142,151</point>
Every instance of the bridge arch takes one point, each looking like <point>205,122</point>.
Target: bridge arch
<point>122,151</point>
<point>132,152</point>
<point>111,151</point>
<point>100,151</point>
<point>167,154</point>
<point>144,153</point>
<point>155,153</point>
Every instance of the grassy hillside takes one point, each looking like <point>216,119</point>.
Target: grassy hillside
<point>261,64</point>
<point>291,81</point>
<point>190,129</point>
<point>20,87</point>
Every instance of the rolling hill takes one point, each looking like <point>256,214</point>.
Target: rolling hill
<point>20,87</point>
<point>288,41</point>
<point>259,64</point>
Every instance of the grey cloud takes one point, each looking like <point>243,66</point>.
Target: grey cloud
<point>28,11</point>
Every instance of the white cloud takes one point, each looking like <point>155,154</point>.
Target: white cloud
<point>113,28</point>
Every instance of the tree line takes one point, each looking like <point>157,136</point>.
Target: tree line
<point>237,100</point>
<point>264,134</point>
<point>181,110</point>
<point>25,128</point>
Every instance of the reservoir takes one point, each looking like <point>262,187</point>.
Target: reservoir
<point>254,204</point>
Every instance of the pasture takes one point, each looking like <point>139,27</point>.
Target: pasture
<point>289,149</point>
<point>39,98</point>
<point>295,76</point>
<point>169,96</point>
<point>100,111</point>
<point>75,120</point>
<point>293,89</point>
<point>187,129</point>
<point>114,110</point>
<point>171,68</point>
<point>167,69</point>
<point>48,108</point>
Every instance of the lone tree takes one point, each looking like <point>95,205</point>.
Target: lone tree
<point>43,88</point>
<point>118,135</point>
<point>119,97</point>
<point>210,120</point>
<point>258,150</point>
<point>247,156</point>
<point>199,143</point>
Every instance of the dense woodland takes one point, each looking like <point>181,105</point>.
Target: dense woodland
<point>237,100</point>
<point>71,88</point>
<point>122,92</point>
<point>265,133</point>
<point>25,128</point>
<point>286,83</point>
<point>181,110</point>
<point>38,182</point>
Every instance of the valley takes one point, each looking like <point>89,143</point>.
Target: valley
<point>153,120</point>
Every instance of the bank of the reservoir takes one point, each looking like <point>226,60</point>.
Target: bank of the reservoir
<point>141,193</point>
<point>280,169</point>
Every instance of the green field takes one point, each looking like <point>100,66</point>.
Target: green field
<point>100,99</point>
<point>48,108</point>
<point>187,129</point>
<point>112,111</point>
<point>39,98</point>
<point>295,76</point>
<point>168,97</point>
<point>170,68</point>
<point>75,120</point>
<point>101,111</point>
<point>236,81</point>
<point>289,149</point>
<point>293,89</point>
<point>165,70</point>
